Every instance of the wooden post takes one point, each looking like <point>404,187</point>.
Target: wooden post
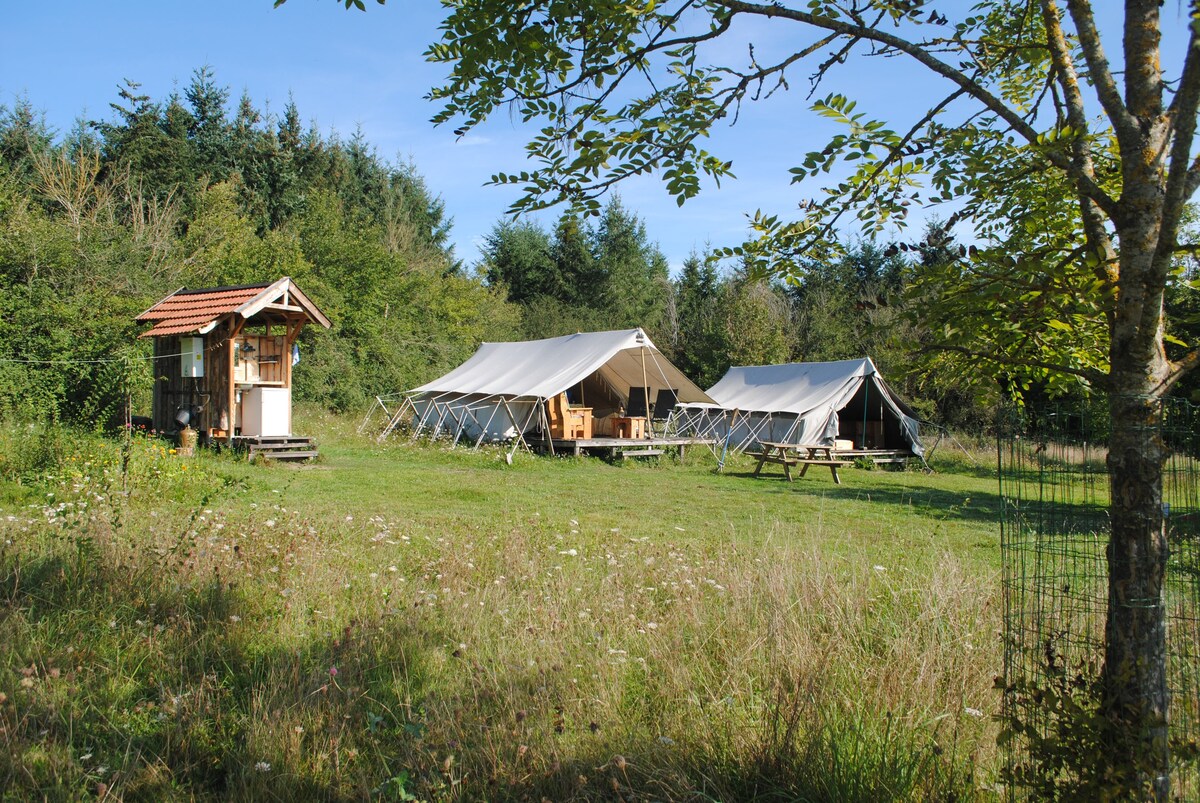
<point>235,328</point>
<point>292,333</point>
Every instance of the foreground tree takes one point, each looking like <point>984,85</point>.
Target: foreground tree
<point>624,89</point>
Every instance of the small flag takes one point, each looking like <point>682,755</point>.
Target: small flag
<point>295,353</point>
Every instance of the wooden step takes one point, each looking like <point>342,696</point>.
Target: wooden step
<point>284,455</point>
<point>282,448</point>
<point>641,452</point>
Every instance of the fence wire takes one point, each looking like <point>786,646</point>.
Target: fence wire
<point>1054,533</point>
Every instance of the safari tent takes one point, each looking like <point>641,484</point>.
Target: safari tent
<point>845,404</point>
<point>576,386</point>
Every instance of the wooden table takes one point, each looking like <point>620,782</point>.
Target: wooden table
<point>788,455</point>
<point>629,427</point>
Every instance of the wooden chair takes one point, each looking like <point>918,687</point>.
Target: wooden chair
<point>566,422</point>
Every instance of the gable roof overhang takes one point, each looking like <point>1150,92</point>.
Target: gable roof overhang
<point>199,311</point>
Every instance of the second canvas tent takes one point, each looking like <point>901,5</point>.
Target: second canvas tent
<point>809,403</point>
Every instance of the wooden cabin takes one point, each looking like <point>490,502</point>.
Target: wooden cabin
<point>223,362</point>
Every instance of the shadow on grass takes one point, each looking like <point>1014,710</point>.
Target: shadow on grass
<point>1047,516</point>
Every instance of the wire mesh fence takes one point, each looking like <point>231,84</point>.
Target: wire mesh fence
<point>1054,533</point>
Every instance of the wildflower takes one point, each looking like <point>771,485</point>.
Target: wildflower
<point>262,766</point>
<point>333,671</point>
<point>880,569</point>
<point>975,712</point>
<point>235,618</point>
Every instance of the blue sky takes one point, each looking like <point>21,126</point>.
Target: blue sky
<point>349,69</point>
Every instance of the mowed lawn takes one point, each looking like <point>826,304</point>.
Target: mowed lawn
<point>413,622</point>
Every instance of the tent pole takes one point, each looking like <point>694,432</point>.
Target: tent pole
<point>390,423</point>
<point>395,420</point>
<point>483,431</point>
<point>866,392</point>
<point>466,411</point>
<point>437,428</point>
<point>646,394</point>
<point>425,416</point>
<point>792,430</point>
<point>520,430</point>
<point>419,422</point>
<point>378,403</point>
<point>452,415</point>
<point>544,423</point>
<point>728,433</point>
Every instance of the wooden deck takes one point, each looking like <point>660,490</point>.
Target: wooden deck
<point>618,448</point>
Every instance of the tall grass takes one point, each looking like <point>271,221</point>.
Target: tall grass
<point>482,632</point>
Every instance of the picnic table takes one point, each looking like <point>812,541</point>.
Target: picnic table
<point>788,455</point>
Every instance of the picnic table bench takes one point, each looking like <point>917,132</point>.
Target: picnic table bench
<point>788,455</point>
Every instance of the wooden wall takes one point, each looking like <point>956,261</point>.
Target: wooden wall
<point>269,364</point>
<point>209,392</point>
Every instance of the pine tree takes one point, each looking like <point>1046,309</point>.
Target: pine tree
<point>210,131</point>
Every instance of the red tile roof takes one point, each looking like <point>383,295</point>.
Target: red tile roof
<point>190,310</point>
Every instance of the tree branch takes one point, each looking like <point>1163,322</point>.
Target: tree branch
<point>1178,370</point>
<point>1181,170</point>
<point>973,88</point>
<point>1098,69</point>
<point>884,163</point>
<point>1068,80</point>
<point>1090,375</point>
<point>1193,179</point>
<point>636,55</point>
<point>729,95</point>
<point>1143,73</point>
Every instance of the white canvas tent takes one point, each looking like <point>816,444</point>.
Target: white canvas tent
<point>499,394</point>
<point>810,403</point>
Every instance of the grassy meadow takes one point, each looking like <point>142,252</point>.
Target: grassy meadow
<point>410,622</point>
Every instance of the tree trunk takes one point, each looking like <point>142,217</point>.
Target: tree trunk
<point>1135,679</point>
<point>1135,697</point>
